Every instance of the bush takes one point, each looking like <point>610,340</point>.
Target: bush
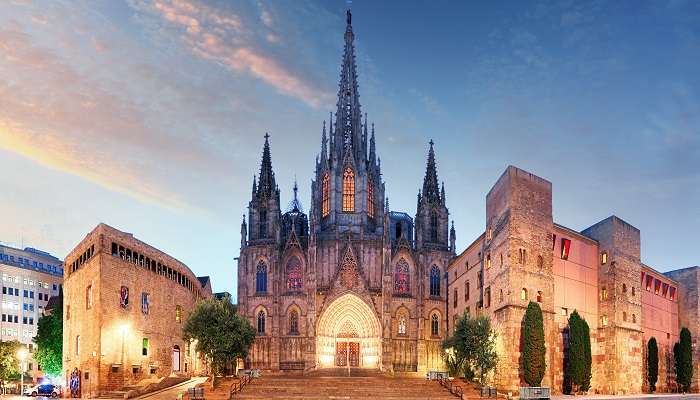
<point>533,345</point>
<point>471,350</point>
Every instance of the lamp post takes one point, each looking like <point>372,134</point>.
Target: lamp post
<point>22,355</point>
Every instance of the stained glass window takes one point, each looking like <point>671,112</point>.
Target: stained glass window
<point>402,278</point>
<point>435,325</point>
<point>295,278</point>
<point>294,322</point>
<point>402,324</point>
<point>124,296</point>
<point>261,278</point>
<point>348,190</point>
<point>145,302</point>
<point>261,322</point>
<point>435,281</point>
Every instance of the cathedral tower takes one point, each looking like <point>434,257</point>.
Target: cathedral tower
<point>431,212</point>
<point>264,206</point>
<point>348,192</point>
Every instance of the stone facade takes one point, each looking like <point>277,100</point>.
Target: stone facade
<point>524,256</point>
<point>124,306</point>
<point>349,284</point>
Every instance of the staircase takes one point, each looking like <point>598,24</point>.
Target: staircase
<point>338,387</point>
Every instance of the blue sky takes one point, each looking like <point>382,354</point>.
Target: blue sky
<point>149,115</point>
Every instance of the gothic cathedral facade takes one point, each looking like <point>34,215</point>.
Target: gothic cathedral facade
<point>351,284</point>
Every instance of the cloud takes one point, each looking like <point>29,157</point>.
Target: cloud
<point>222,37</point>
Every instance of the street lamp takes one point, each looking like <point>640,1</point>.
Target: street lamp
<point>22,355</point>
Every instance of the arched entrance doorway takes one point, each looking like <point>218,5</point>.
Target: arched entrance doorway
<point>176,358</point>
<point>348,334</point>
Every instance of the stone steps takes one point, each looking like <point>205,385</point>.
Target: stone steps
<point>331,388</point>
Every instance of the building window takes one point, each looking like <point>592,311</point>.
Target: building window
<point>624,288</point>
<point>603,320</point>
<point>261,278</point>
<point>604,257</point>
<point>124,297</point>
<point>603,293</point>
<point>650,282</point>
<point>178,314</point>
<point>435,281</point>
<point>263,224</point>
<point>326,198</point>
<point>633,291</point>
<point>433,226</point>
<point>564,311</point>
<point>501,259</point>
<point>67,311</point>
<point>657,286</point>
<point>489,234</point>
<point>488,260</point>
<point>402,278</point>
<point>145,303</point>
<point>88,297</point>
<point>144,347</point>
<point>370,198</point>
<point>522,256</point>
<point>466,291</point>
<point>348,190</point>
<point>672,293</point>
<point>624,316</point>
<point>261,323</point>
<point>435,325</point>
<point>664,289</point>
<point>77,345</point>
<point>540,262</point>
<point>565,245</point>
<point>634,318</point>
<point>402,324</point>
<point>295,279</point>
<point>454,298</point>
<point>487,297</point>
<point>500,296</point>
<point>479,280</point>
<point>294,322</point>
<point>539,296</point>
<point>523,294</point>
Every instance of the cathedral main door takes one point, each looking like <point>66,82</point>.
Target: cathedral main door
<point>348,334</point>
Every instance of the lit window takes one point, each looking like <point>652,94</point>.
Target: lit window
<point>604,257</point>
<point>489,234</point>
<point>523,294</point>
<point>178,314</point>
<point>650,282</point>
<point>348,190</point>
<point>144,347</point>
<point>564,311</point>
<point>370,198</point>
<point>402,278</point>
<point>294,323</point>
<point>435,325</point>
<point>88,297</point>
<point>657,286</point>
<point>326,200</point>
<point>402,325</point>
<point>295,276</point>
<point>603,293</point>
<point>488,260</point>
<point>603,320</point>
<point>664,289</point>
<point>672,293</point>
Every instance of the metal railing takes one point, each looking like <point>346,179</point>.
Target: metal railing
<point>242,382</point>
<point>451,386</point>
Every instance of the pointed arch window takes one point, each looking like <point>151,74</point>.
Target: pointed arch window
<point>402,325</point>
<point>433,226</point>
<point>435,281</point>
<point>325,196</point>
<point>263,224</point>
<point>294,322</point>
<point>295,276</point>
<point>261,278</point>
<point>348,190</point>
<point>402,278</point>
<point>435,325</point>
<point>261,322</point>
<point>370,198</point>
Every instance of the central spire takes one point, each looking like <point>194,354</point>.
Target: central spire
<point>348,118</point>
<point>430,182</point>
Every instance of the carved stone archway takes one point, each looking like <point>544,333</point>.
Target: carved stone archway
<point>348,322</point>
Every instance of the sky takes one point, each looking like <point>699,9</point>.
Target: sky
<point>149,115</point>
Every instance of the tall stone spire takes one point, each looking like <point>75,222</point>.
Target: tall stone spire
<point>266,183</point>
<point>348,122</point>
<point>431,191</point>
<point>372,149</point>
<point>244,233</point>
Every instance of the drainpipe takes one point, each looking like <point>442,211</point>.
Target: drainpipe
<point>447,303</point>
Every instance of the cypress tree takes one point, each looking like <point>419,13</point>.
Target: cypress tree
<point>533,345</point>
<point>578,367</point>
<point>684,360</point>
<point>652,364</point>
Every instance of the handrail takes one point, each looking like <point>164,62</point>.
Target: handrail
<point>238,386</point>
<point>451,386</point>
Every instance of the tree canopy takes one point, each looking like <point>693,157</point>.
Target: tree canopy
<point>472,348</point>
<point>221,334</point>
<point>9,363</point>
<point>533,356</point>
<point>49,341</point>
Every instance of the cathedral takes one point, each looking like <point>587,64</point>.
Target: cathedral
<point>351,283</point>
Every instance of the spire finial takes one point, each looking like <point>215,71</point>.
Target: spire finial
<point>267,136</point>
<point>296,187</point>
<point>348,16</point>
<point>431,143</point>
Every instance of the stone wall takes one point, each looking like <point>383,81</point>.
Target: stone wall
<point>689,312</point>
